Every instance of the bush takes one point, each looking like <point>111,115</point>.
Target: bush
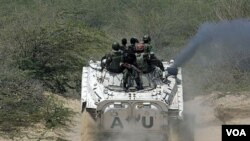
<point>55,114</point>
<point>56,55</point>
<point>23,103</point>
<point>41,50</point>
<point>20,100</point>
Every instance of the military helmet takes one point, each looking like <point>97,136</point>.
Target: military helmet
<point>124,41</point>
<point>146,39</point>
<point>133,40</point>
<point>116,46</point>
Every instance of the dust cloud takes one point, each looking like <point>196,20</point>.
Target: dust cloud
<point>90,132</point>
<point>217,58</point>
<point>223,40</point>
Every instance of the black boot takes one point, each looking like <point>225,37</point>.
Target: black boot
<point>139,84</point>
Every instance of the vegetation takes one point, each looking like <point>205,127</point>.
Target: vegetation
<point>40,52</point>
<point>45,43</point>
<point>55,55</point>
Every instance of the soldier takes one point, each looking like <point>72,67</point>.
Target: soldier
<point>143,62</point>
<point>147,46</point>
<point>143,55</point>
<point>130,66</point>
<point>124,44</point>
<point>113,60</point>
<point>133,41</point>
<point>154,61</point>
<point>129,73</point>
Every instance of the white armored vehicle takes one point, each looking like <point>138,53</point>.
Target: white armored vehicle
<point>157,109</point>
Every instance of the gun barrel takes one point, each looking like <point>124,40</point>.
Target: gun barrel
<point>135,68</point>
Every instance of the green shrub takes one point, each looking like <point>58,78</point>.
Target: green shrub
<point>56,55</point>
<point>23,103</point>
<point>20,100</point>
<point>41,50</point>
<point>55,114</point>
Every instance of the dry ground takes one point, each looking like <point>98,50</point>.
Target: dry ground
<point>211,111</point>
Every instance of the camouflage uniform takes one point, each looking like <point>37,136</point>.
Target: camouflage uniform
<point>146,40</point>
<point>147,47</point>
<point>154,61</point>
<point>131,73</point>
<point>113,60</point>
<point>143,62</point>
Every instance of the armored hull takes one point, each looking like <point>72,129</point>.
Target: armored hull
<point>153,109</point>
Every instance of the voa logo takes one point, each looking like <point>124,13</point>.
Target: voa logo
<point>236,132</point>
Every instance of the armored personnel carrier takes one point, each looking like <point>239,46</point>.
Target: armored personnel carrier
<point>157,109</point>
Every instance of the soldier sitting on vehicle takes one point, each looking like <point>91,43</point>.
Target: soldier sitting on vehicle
<point>131,72</point>
<point>129,63</point>
<point>113,60</point>
<point>131,47</point>
<point>143,62</point>
<point>142,52</point>
<point>153,60</point>
<point>147,46</point>
<point>124,44</point>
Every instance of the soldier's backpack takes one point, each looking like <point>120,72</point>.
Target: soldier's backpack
<point>113,63</point>
<point>143,62</point>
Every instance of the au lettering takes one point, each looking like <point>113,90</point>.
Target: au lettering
<point>151,122</point>
<point>117,122</point>
<point>236,132</point>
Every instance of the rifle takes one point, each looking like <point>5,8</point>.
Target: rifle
<point>130,66</point>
